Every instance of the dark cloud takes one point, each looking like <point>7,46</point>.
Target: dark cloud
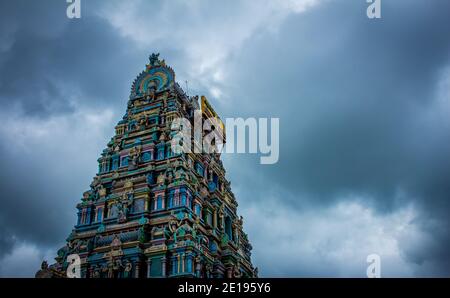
<point>6,243</point>
<point>358,109</point>
<point>50,61</point>
<point>50,67</point>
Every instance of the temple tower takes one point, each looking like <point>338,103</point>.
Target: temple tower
<point>153,212</point>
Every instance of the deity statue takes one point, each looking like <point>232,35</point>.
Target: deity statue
<point>221,216</point>
<point>141,235</point>
<point>167,232</point>
<point>236,271</point>
<point>104,270</point>
<point>198,266</point>
<point>195,228</point>
<point>224,240</point>
<point>134,158</point>
<point>44,265</point>
<point>86,196</point>
<point>154,59</point>
<point>179,174</point>
<point>102,191</point>
<point>241,221</point>
<point>116,243</point>
<point>110,269</point>
<point>170,177</point>
<point>255,272</point>
<point>45,272</point>
<point>76,245</point>
<point>143,122</point>
<point>124,206</point>
<point>117,148</point>
<point>96,272</point>
<point>161,179</point>
<point>127,270</point>
<point>209,271</point>
<point>63,252</point>
<point>194,98</point>
<point>117,266</point>
<point>152,90</point>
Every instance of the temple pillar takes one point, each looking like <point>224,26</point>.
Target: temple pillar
<point>136,271</point>
<point>215,219</point>
<point>198,267</point>
<point>229,272</point>
<point>163,264</point>
<point>189,263</point>
<point>183,257</point>
<point>149,263</point>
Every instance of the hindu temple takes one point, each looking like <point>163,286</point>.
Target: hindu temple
<point>151,211</point>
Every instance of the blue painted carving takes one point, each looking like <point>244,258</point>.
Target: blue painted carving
<point>143,220</point>
<point>124,161</point>
<point>159,203</point>
<point>138,206</point>
<point>132,125</point>
<point>171,196</point>
<point>114,211</point>
<point>160,148</point>
<point>212,186</point>
<point>146,156</point>
<point>150,179</point>
<point>213,246</point>
<point>115,162</point>
<point>99,214</point>
<point>101,228</point>
<point>156,77</point>
<point>169,152</point>
<point>198,209</point>
<point>228,228</point>
<point>199,169</point>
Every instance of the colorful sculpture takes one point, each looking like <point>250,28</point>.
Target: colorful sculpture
<point>150,212</point>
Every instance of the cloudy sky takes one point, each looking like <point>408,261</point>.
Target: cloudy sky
<point>364,109</point>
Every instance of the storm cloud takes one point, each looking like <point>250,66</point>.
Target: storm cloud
<point>363,104</point>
